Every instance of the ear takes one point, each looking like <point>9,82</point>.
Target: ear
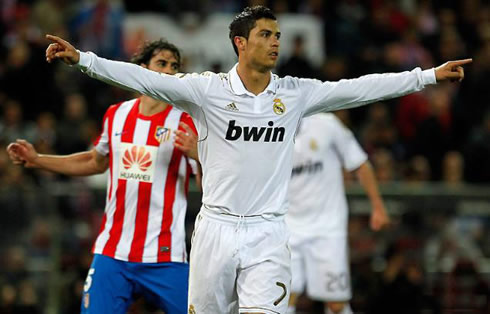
<point>144,65</point>
<point>240,42</point>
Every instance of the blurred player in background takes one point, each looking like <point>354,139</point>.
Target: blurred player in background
<point>246,120</point>
<point>141,245</point>
<point>318,213</point>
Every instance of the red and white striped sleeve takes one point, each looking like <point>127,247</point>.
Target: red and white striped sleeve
<point>102,143</point>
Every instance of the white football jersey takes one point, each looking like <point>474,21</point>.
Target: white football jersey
<point>247,140</point>
<point>316,192</point>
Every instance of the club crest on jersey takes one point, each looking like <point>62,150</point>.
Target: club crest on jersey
<point>313,145</point>
<point>162,134</point>
<point>191,309</point>
<point>278,107</point>
<point>136,162</point>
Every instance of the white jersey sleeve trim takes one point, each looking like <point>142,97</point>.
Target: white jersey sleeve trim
<point>429,77</point>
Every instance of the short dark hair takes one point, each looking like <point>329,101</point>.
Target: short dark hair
<point>246,20</point>
<point>151,48</point>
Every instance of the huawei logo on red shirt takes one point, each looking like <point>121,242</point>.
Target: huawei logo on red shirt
<point>137,155</point>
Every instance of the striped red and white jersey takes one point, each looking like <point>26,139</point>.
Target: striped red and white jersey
<point>147,186</point>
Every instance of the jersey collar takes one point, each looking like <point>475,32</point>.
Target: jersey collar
<point>238,88</point>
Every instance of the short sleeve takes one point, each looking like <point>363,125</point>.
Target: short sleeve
<point>101,144</point>
<point>351,153</point>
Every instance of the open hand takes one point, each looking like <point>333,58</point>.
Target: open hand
<point>61,49</point>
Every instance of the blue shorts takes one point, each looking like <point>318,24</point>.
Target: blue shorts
<point>111,285</point>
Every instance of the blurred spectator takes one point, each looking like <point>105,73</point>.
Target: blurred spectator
<point>418,170</point>
<point>45,132</point>
<point>450,45</point>
<point>433,134</point>
<point>414,54</point>
<point>401,286</point>
<point>465,289</point>
<point>334,69</point>
<point>384,165</point>
<point>298,64</point>
<point>97,27</point>
<point>49,15</point>
<point>410,112</point>
<point>453,168</point>
<point>343,28</point>
<point>70,131</point>
<point>12,124</point>
<point>378,130</point>
<point>477,153</point>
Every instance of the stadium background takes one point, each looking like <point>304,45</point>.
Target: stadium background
<point>430,151</point>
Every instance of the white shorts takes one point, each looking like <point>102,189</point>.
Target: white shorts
<point>321,264</point>
<point>239,265</point>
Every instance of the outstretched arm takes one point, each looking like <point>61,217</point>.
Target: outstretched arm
<point>379,217</point>
<point>79,164</point>
<point>328,96</point>
<point>183,91</point>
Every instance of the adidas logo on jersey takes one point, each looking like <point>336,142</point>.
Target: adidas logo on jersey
<point>231,107</point>
<point>255,134</point>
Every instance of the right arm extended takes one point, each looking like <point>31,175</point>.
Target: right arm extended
<point>183,91</point>
<point>78,164</point>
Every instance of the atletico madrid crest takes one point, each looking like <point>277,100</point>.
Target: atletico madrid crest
<point>162,134</point>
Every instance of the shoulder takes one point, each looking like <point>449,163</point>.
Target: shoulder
<point>292,82</point>
<point>322,118</point>
<point>117,106</point>
<point>328,122</point>
<point>202,75</point>
<point>202,79</point>
<point>287,82</point>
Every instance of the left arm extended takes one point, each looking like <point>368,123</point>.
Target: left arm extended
<point>328,96</point>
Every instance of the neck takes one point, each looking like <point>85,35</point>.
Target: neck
<point>149,106</point>
<point>255,81</point>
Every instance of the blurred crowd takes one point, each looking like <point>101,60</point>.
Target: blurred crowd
<point>442,134</point>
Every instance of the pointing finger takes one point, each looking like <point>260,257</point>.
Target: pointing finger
<point>460,62</point>
<point>57,40</point>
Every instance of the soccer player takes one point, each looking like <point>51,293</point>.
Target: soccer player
<point>246,121</point>
<point>318,213</point>
<point>141,246</point>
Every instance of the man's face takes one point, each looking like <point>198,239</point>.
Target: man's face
<point>262,46</point>
<point>164,62</point>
